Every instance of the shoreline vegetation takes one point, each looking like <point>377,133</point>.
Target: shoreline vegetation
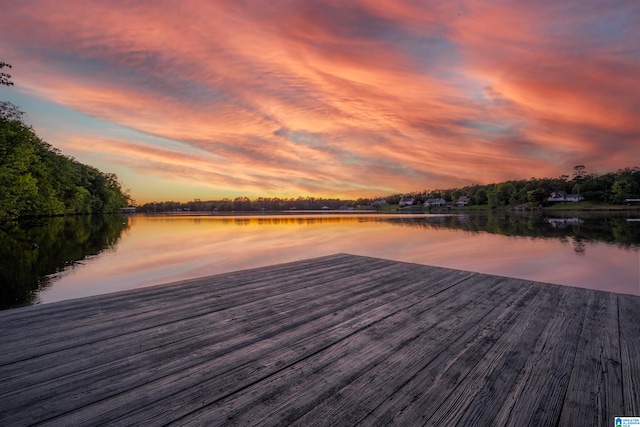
<point>585,192</point>
<point>585,208</point>
<point>37,180</point>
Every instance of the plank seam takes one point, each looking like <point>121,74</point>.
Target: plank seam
<point>310,355</point>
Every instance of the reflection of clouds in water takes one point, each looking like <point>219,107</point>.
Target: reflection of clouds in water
<point>163,249</point>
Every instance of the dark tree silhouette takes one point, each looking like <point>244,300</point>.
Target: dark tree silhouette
<point>578,175</point>
<point>5,79</point>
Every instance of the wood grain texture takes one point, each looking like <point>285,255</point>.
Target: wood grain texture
<point>336,340</point>
<point>629,324</point>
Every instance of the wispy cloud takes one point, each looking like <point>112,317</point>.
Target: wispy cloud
<point>335,98</point>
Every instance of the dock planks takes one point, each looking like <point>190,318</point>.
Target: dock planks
<point>336,340</point>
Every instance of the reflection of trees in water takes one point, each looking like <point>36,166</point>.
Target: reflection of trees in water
<point>609,229</point>
<point>579,246</point>
<point>30,252</point>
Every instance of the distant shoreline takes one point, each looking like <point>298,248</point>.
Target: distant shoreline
<point>402,212</point>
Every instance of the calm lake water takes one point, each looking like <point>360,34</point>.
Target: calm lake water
<point>66,258</point>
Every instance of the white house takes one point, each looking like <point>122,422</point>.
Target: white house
<point>406,201</point>
<point>563,196</point>
<point>435,202</point>
<point>463,201</point>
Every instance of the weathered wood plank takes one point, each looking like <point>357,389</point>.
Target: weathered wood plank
<point>70,307</point>
<point>189,358</point>
<point>447,383</point>
<point>288,394</point>
<point>203,299</point>
<point>49,338</point>
<point>594,395</point>
<point>185,335</point>
<point>205,329</point>
<point>629,324</point>
<point>534,391</point>
<point>233,371</point>
<point>359,396</point>
<point>114,307</point>
<point>337,340</point>
<point>494,369</point>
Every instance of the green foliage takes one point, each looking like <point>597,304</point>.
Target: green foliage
<point>480,197</point>
<point>608,188</point>
<point>36,180</point>
<point>244,204</point>
<point>537,196</point>
<point>624,187</point>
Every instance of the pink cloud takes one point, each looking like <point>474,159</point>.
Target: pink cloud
<point>313,97</point>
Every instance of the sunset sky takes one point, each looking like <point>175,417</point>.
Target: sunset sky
<point>210,99</point>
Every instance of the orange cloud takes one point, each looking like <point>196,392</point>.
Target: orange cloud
<point>335,98</point>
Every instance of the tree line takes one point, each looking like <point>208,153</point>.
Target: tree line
<point>613,188</point>
<point>37,180</point>
<point>244,204</point>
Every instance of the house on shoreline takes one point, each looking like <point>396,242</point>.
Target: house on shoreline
<point>563,196</point>
<point>406,201</point>
<point>463,201</point>
<point>435,202</point>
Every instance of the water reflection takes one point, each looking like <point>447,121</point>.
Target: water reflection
<point>598,253</point>
<point>611,229</point>
<point>34,254</point>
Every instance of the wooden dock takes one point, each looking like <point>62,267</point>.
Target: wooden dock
<point>333,341</point>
